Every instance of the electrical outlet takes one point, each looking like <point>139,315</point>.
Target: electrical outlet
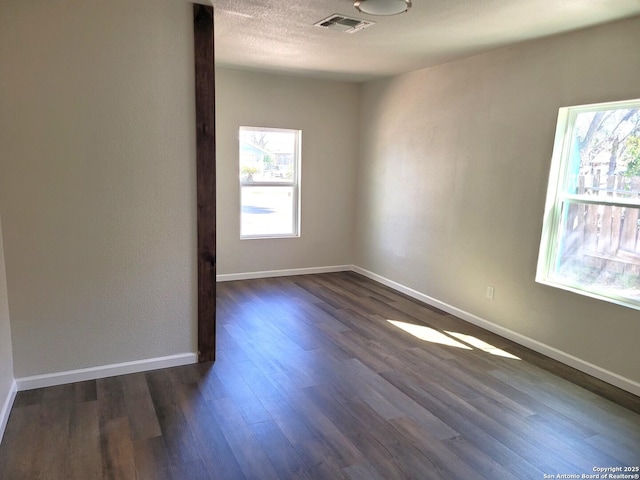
<point>490,292</point>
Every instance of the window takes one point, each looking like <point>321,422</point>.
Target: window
<point>269,182</point>
<point>590,241</point>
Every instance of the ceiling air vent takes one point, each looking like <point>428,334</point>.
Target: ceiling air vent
<point>343,24</point>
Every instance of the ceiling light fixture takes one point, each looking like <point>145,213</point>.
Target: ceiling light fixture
<point>382,7</point>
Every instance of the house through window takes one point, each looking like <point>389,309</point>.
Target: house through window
<point>590,241</point>
<point>269,182</point>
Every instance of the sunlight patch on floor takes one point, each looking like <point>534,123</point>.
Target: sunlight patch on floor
<point>428,334</point>
<point>451,339</point>
<point>482,345</point>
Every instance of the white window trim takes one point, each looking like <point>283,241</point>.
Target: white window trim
<point>294,183</point>
<point>550,238</point>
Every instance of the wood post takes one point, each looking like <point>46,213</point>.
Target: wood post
<point>206,180</point>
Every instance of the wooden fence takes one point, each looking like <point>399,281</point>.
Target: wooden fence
<point>605,237</point>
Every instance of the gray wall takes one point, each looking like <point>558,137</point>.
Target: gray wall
<point>97,181</point>
<point>6,358</point>
<point>327,113</point>
<point>453,175</point>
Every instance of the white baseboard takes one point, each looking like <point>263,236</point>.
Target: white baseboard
<point>103,371</point>
<point>228,277</point>
<point>6,408</point>
<point>563,357</point>
<point>59,378</point>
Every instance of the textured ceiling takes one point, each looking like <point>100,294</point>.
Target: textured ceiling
<point>278,35</point>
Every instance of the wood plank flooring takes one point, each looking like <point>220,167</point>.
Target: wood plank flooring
<point>313,382</point>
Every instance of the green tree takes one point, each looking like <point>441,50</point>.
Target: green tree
<point>249,172</point>
<point>614,132</point>
<point>633,153</point>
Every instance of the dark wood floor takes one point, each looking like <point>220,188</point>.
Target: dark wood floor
<point>312,381</point>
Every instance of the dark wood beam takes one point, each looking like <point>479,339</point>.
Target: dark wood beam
<point>206,180</point>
